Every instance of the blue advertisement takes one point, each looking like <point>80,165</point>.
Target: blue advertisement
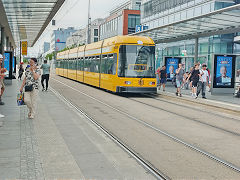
<point>171,67</point>
<point>224,68</point>
<point>7,63</point>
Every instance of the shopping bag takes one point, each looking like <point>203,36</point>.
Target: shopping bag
<point>20,99</point>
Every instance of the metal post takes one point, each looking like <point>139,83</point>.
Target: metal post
<point>2,41</point>
<point>196,50</point>
<point>20,54</point>
<point>7,43</point>
<point>89,25</point>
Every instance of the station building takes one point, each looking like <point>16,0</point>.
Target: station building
<point>156,13</point>
<point>122,20</point>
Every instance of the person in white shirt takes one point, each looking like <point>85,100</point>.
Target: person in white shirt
<point>203,81</point>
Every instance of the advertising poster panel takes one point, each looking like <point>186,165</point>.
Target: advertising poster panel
<point>7,57</point>
<point>224,71</point>
<point>171,64</point>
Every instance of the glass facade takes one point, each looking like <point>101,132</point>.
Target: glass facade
<point>157,13</point>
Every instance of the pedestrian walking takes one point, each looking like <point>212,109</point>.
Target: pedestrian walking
<point>20,72</point>
<point>163,77</point>
<point>194,76</point>
<point>157,75</point>
<point>179,79</point>
<point>209,82</point>
<point>203,81</point>
<point>31,82</point>
<point>2,75</point>
<point>45,76</point>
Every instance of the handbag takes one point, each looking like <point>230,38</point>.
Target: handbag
<point>20,99</point>
<point>29,88</point>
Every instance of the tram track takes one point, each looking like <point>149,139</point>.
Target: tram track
<point>194,108</point>
<point>162,132</point>
<point>187,117</point>
<point>147,165</point>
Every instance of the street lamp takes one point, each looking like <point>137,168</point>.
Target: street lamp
<point>89,24</point>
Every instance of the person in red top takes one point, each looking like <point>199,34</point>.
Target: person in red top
<point>2,86</point>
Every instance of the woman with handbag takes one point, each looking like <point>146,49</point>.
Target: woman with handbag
<point>30,83</point>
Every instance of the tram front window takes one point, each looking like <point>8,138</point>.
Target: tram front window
<point>136,61</point>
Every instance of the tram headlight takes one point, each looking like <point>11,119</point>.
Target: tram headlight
<point>128,82</point>
<point>152,83</point>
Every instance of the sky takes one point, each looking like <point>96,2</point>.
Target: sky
<point>74,13</point>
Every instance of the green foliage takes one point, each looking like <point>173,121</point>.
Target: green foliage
<point>50,56</point>
<point>25,60</point>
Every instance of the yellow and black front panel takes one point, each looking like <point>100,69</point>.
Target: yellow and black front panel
<point>136,68</point>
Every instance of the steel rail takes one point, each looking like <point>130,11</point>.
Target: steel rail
<point>187,117</point>
<point>159,175</point>
<point>176,139</point>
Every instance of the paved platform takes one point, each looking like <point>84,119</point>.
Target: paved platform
<point>223,101</point>
<point>58,144</point>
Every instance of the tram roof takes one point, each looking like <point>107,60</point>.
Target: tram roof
<point>223,21</point>
<point>29,18</point>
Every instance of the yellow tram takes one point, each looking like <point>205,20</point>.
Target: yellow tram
<point>118,64</point>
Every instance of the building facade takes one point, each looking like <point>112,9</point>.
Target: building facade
<point>46,47</point>
<point>155,13</point>
<point>80,36</point>
<point>59,38</point>
<point>122,20</point>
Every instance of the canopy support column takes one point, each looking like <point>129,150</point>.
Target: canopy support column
<point>2,41</point>
<point>196,50</point>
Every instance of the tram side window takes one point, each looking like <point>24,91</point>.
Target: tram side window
<point>75,64</point>
<point>61,64</point>
<point>97,64</point>
<point>70,64</point>
<point>103,66</point>
<point>109,63</point>
<point>92,64</point>
<point>87,64</point>
<point>80,64</point>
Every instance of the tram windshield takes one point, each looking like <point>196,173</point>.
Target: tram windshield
<point>136,61</point>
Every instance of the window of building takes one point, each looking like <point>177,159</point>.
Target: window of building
<point>138,5</point>
<point>133,21</point>
<point>95,39</point>
<point>95,32</point>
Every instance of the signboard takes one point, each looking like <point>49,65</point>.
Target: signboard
<point>24,47</point>
<point>140,28</point>
<point>8,64</point>
<point>171,64</point>
<point>224,71</point>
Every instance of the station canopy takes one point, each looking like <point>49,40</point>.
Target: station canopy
<point>28,18</point>
<point>223,21</point>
